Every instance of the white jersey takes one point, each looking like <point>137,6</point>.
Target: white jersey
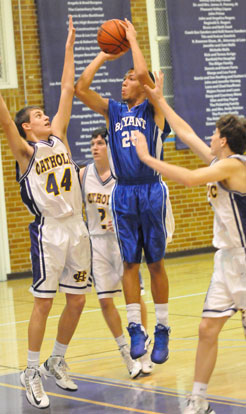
<point>96,194</point>
<point>50,187</point>
<point>229,214</point>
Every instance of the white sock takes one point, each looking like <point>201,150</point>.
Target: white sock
<point>133,313</point>
<point>121,341</point>
<point>59,349</point>
<point>33,359</point>
<point>161,313</point>
<point>200,389</point>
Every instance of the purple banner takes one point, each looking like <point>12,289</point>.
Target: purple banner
<point>208,47</point>
<point>88,15</point>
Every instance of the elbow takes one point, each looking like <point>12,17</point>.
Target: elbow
<point>80,90</point>
<point>69,88</point>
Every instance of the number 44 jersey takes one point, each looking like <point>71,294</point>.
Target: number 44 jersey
<point>50,187</point>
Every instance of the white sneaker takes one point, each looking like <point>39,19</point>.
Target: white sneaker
<point>198,405</point>
<point>31,380</point>
<point>133,366</point>
<point>244,320</point>
<point>57,367</point>
<point>145,360</point>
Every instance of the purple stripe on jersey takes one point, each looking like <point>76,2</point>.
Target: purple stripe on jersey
<point>27,197</point>
<point>38,263</point>
<point>239,203</point>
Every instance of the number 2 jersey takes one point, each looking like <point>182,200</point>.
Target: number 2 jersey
<point>50,186</point>
<point>229,214</point>
<point>96,194</point>
<point>124,161</point>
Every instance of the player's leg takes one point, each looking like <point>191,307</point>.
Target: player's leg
<point>31,378</point>
<point>43,288</point>
<point>159,289</point>
<point>154,230</point>
<point>74,281</point>
<point>206,356</point>
<point>113,320</point>
<point>124,202</point>
<point>145,360</point>
<point>131,287</point>
<point>220,304</point>
<point>55,365</point>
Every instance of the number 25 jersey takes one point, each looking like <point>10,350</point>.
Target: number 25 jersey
<point>123,158</point>
<point>50,186</point>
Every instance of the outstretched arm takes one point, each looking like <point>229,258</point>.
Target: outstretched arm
<point>61,119</point>
<point>19,147</point>
<point>221,170</point>
<point>180,127</point>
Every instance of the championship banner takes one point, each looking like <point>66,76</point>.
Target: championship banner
<point>87,15</point>
<point>208,47</point>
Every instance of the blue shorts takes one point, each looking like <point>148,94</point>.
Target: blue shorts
<point>139,213</point>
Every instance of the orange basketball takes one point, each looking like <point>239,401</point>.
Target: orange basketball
<point>111,37</point>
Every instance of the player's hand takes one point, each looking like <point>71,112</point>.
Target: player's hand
<point>139,141</point>
<point>110,56</point>
<point>71,32</point>
<point>157,92</point>
<point>130,30</point>
<point>110,226</point>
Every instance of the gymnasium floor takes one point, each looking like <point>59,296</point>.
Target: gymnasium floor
<point>95,362</point>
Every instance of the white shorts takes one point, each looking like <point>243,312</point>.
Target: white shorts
<point>60,252</point>
<point>107,266</point>
<point>170,223</point>
<point>227,290</point>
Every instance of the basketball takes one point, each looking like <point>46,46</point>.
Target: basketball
<point>111,37</point>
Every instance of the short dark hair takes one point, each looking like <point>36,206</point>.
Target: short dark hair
<point>24,116</point>
<point>150,74</point>
<point>233,128</point>
<point>100,131</point>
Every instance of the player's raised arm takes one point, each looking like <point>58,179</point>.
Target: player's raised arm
<point>141,70</point>
<point>61,119</point>
<point>19,147</point>
<point>140,66</point>
<point>180,127</point>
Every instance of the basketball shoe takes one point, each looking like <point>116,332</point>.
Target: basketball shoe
<point>198,405</point>
<point>35,394</point>
<point>138,340</point>
<point>57,367</point>
<point>160,349</point>
<point>133,366</point>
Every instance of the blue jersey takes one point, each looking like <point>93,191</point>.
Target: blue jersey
<point>124,161</point>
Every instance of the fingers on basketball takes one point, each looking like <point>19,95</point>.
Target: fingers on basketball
<point>111,37</point>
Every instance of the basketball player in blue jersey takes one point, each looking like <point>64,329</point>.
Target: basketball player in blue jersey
<point>226,180</point>
<point>60,247</point>
<point>139,197</point>
<point>107,267</point>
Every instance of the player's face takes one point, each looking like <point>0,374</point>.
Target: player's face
<point>215,143</point>
<point>39,124</point>
<point>131,88</point>
<point>99,148</point>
